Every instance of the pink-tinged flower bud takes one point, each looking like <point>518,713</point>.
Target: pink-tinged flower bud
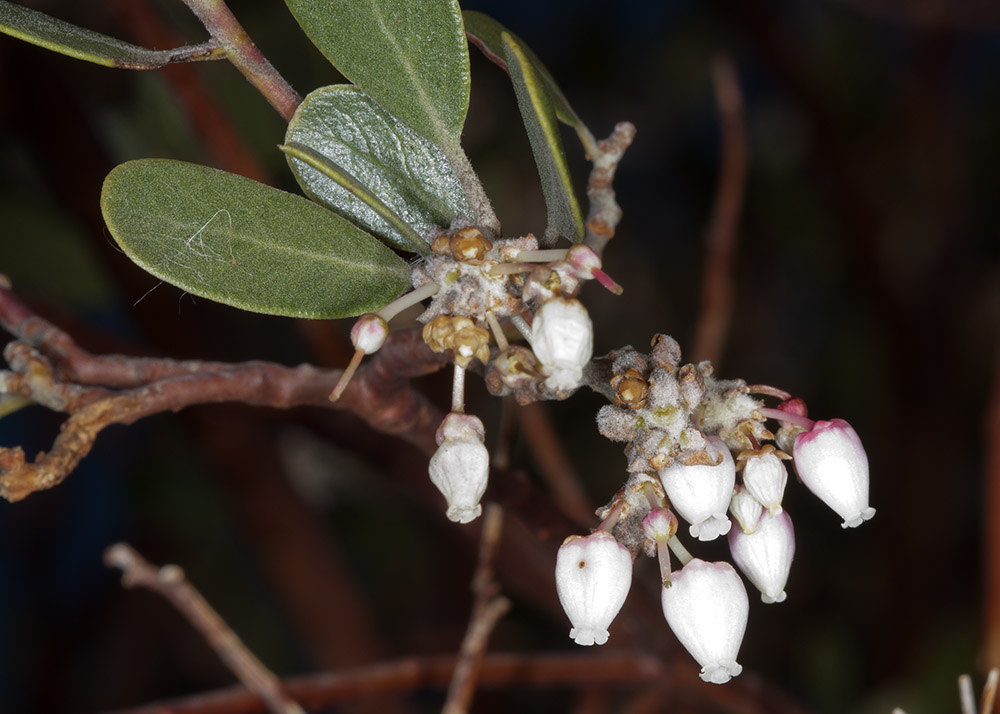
<point>700,492</point>
<point>659,525</point>
<point>369,333</point>
<point>765,556</point>
<point>833,465</point>
<point>460,467</point>
<point>765,477</point>
<point>593,576</point>
<point>562,337</point>
<point>707,608</point>
<point>745,509</point>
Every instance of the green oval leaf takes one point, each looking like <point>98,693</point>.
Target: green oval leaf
<point>410,56</point>
<point>409,175</point>
<point>485,33</point>
<point>68,39</point>
<point>539,116</point>
<point>239,242</point>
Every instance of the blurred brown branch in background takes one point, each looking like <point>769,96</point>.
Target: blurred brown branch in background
<point>169,581</point>
<point>723,228</point>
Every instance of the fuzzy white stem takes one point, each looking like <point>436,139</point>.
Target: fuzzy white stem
<point>458,391</point>
<point>404,301</point>
<point>541,256</point>
<point>679,550</point>
<point>522,326</point>
<point>663,556</point>
<point>498,334</point>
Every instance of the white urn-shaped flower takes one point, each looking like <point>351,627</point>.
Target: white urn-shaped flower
<point>593,576</point>
<point>460,467</point>
<point>562,338</point>
<point>765,556</point>
<point>707,608</point>
<point>700,493</point>
<point>833,465</point>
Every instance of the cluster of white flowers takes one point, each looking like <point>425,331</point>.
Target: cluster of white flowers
<point>697,448</point>
<point>704,439</point>
<point>475,285</point>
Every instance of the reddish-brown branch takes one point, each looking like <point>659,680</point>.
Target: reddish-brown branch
<point>723,229</point>
<point>169,582</point>
<point>498,671</point>
<point>487,610</point>
<point>62,376</point>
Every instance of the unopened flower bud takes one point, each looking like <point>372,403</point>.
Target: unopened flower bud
<point>833,465</point>
<point>765,476</point>
<point>745,509</point>
<point>700,491</point>
<point>562,337</point>
<point>593,576</point>
<point>707,608</point>
<point>659,525</point>
<point>765,556</point>
<point>369,333</point>
<point>460,467</point>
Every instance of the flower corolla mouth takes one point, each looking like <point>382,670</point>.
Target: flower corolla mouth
<point>593,577</point>
<point>833,464</point>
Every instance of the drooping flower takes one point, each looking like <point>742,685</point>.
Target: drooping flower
<point>562,337</point>
<point>593,576</point>
<point>700,492</point>
<point>765,556</point>
<point>707,608</point>
<point>765,477</point>
<point>460,467</point>
<point>833,465</point>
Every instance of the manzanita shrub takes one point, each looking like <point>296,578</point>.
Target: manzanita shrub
<point>394,215</point>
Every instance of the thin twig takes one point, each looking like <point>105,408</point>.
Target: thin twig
<point>604,212</point>
<point>723,229</point>
<point>97,391</point>
<point>217,18</point>
<point>966,697</point>
<point>989,692</point>
<point>487,610</point>
<point>169,582</point>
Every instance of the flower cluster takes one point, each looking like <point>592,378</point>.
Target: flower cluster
<point>698,447</point>
<point>475,285</point>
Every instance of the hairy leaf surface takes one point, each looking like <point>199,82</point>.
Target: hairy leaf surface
<point>410,56</point>
<point>239,242</point>
<point>402,169</point>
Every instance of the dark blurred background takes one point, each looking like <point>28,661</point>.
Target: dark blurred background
<point>867,281</point>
